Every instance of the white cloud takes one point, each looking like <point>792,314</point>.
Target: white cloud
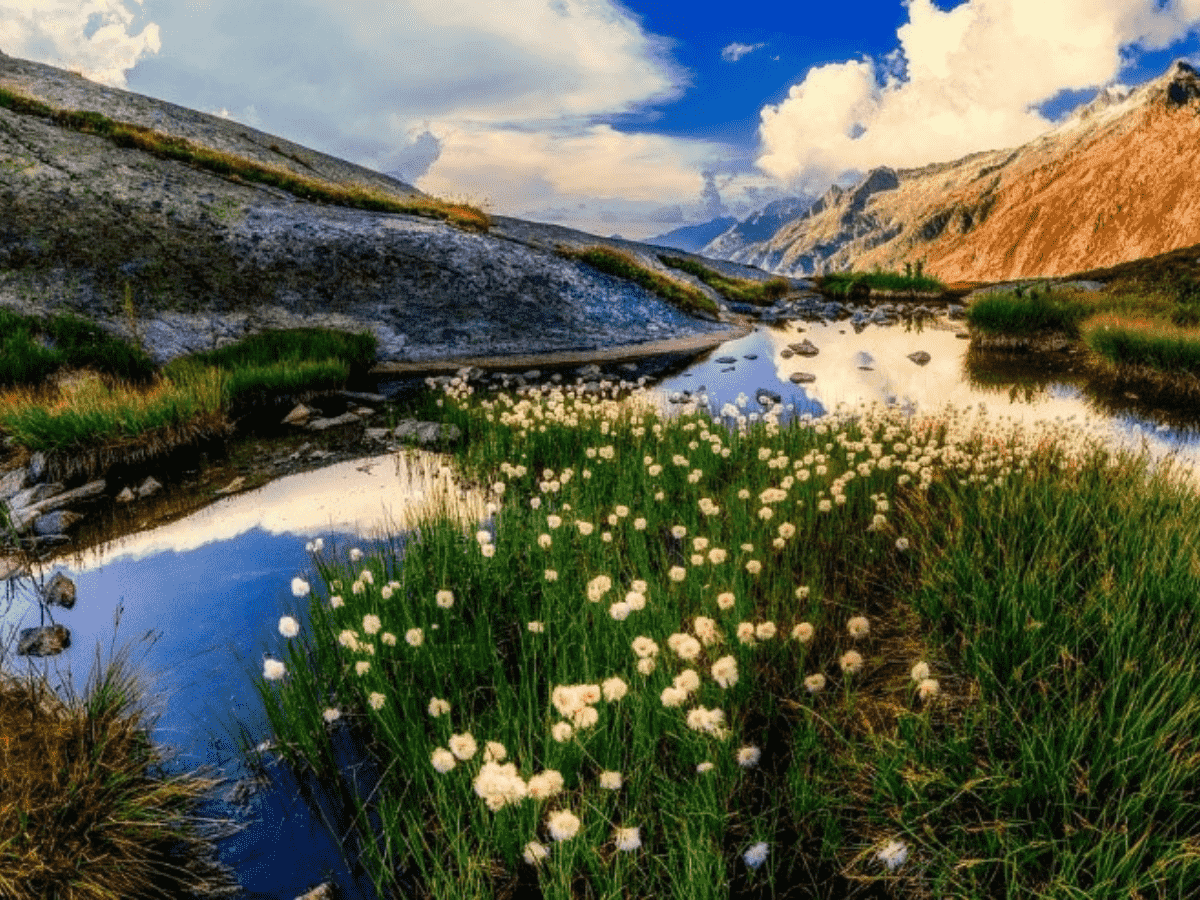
<point>974,74</point>
<point>735,51</point>
<point>92,37</point>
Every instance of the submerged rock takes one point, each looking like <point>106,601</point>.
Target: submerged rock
<point>802,378</point>
<point>426,432</point>
<point>149,487</point>
<point>347,418</point>
<point>57,522</point>
<point>804,348</point>
<point>49,640</point>
<point>60,591</point>
<point>299,415</point>
<point>920,357</point>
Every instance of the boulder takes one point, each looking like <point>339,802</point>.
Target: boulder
<point>804,348</point>
<point>56,522</point>
<point>34,494</point>
<point>920,357</point>
<point>802,378</point>
<point>60,591</point>
<point>149,487</point>
<point>426,432</point>
<point>348,418</point>
<point>13,481</point>
<point>378,434</point>
<point>126,496</point>
<point>48,640</point>
<point>299,415</point>
<point>37,467</point>
<point>363,412</point>
<point>363,397</point>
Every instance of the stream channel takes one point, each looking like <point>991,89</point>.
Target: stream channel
<point>199,599</point>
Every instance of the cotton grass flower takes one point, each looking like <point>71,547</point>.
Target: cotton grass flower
<point>614,688</point>
<point>438,707</point>
<point>672,697</point>
<point>802,592</point>
<point>725,600</point>
<point>273,669</point>
<point>764,631</point>
<point>725,672</point>
<point>611,781</point>
<point>646,666</point>
<point>336,602</point>
<point>414,637</point>
<point>355,554</point>
<point>920,671</point>
<point>545,785</point>
<point>679,532</point>
<point>814,684</point>
<point>535,852</point>
<point>706,630</point>
<point>463,746</point>
<point>288,627</point>
<point>803,632</point>
<point>745,633</point>
<point>620,611</point>
<point>627,839</point>
<point>362,667</point>
<point>635,600</point>
<point>443,760</point>
<point>927,689</point>
<point>536,627</point>
<point>705,767</point>
<point>644,647</point>
<point>388,638</point>
<point>753,566</point>
<point>851,662</point>
<point>376,700</point>
<point>684,646</point>
<point>445,599</point>
<point>893,854</point>
<point>902,544</point>
<point>677,573</point>
<point>687,681</point>
<point>748,757</point>
<point>551,575</point>
<point>562,731</point>
<point>371,624</point>
<point>717,555</point>
<point>709,721</point>
<point>300,587</point>
<point>755,855</point>
<point>562,825</point>
<point>858,627</point>
<point>331,715</point>
<point>585,717</point>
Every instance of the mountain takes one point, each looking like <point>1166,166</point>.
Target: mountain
<point>692,238</point>
<point>187,231</point>
<point>758,226</point>
<point>1114,182</point>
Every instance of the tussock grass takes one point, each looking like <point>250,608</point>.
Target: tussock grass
<point>622,265</point>
<point>86,812</point>
<point>1021,313</point>
<point>741,290</point>
<point>78,414</point>
<point>126,134</point>
<point>1040,578</point>
<point>859,284</point>
<point>1142,342</point>
<point>31,348</point>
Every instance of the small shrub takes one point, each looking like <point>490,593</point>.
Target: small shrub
<point>741,290</point>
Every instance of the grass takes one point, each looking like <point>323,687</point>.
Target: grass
<point>1045,584</point>
<point>32,348</point>
<point>1026,313</point>
<point>741,290</point>
<point>126,134</point>
<point>96,414</point>
<point>847,285</point>
<point>622,265</point>
<point>1142,342</point>
<point>86,813</point>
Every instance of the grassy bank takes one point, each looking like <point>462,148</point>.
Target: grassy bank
<point>100,416</point>
<point>1123,341</point>
<point>741,290</point>
<point>873,652</point>
<point>164,146</point>
<point>85,810</point>
<point>847,285</point>
<point>622,265</point>
<point>32,348</point>
<point>1027,312</point>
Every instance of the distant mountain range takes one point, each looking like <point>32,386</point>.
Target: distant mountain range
<point>692,237</point>
<point>1116,181</point>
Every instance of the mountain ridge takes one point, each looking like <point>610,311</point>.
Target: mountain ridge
<point>1074,198</point>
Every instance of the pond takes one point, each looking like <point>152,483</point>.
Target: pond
<point>200,598</point>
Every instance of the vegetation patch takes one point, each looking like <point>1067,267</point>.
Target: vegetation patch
<point>849,285</point>
<point>1139,342</point>
<point>126,134</point>
<point>685,660</point>
<point>32,348</point>
<point>1022,312</point>
<point>622,265</point>
<point>741,290</point>
<point>86,812</point>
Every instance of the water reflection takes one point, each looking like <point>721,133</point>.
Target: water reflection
<point>872,364</point>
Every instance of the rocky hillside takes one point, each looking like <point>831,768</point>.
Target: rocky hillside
<point>1115,182</point>
<point>131,227</point>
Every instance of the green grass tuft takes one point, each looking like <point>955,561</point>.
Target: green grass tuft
<point>1138,342</point>
<point>1020,313</point>
<point>622,265</point>
<point>741,290</point>
<point>846,285</point>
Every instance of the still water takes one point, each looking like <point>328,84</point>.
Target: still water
<point>199,599</point>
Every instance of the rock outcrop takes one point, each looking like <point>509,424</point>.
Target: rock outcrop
<point>207,259</point>
<point>1115,182</point>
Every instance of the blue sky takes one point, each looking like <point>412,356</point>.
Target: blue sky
<point>631,117</point>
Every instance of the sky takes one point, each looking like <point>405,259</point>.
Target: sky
<point>632,117</point>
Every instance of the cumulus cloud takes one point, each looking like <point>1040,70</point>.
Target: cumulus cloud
<point>735,51</point>
<point>961,80</point>
<point>92,37</point>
